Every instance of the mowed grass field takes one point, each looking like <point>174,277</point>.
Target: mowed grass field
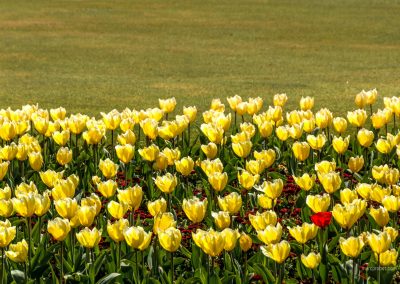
<point>92,56</point>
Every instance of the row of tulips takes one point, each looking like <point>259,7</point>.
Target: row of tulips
<point>137,197</point>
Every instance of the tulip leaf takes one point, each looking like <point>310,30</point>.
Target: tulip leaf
<point>18,276</point>
<point>109,278</point>
<point>333,243</point>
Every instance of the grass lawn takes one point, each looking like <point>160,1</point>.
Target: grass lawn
<point>97,55</point>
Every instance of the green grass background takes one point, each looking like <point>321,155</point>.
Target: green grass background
<point>92,56</point>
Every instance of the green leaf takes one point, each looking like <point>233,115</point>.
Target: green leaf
<point>18,276</point>
<point>108,278</point>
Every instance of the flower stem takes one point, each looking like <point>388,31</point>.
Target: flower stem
<point>172,267</point>
<point>61,262</point>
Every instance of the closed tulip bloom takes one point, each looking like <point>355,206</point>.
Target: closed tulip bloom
<point>330,181</point>
<point>380,215</point>
<point>379,172</point>
<point>323,118</point>
<point>340,124</point>
<point>166,183</point>
<point>218,180</point>
<point>392,176</point>
<point>8,130</point>
<point>23,189</point>
<point>66,207</point>
<point>234,101</point>
<point>107,188</point>
<point>301,150</point>
<point>267,156</point>
<point>261,220</point>
<point>92,200</point>
<point>59,228</point>
<point>255,167</point>
<point>63,188</point>
<point>132,196</point>
<point>364,190</point>
<point>185,166</point>
<point>391,203</point>
<point>58,113</point>
<point>245,242</point>
<point>115,230</point>
<point>348,214</point>
<point>304,233</point>
<point>266,128</point>
<point>211,242</point>
<point>305,182</point>
<point>370,96</point>
<point>277,252</point>
<point>25,205</point>
<point>134,236</point>
<point>340,144</point>
<point>5,193</point>
<point>210,150</point>
<point>161,162</point>
<point>357,117</point>
<point>295,131</point>
<point>170,239</point>
<point>77,123</point>
<point>111,119</point>
<point>190,113</point>
<point>379,243</point>
<point>149,153</point>
<point>222,219</point>
<point>264,201</point>
<point>117,210</point>
<point>280,100</point>
<point>325,167</point>
<point>282,132</point>
<point>8,152</point>
<point>271,234</point>
<point>163,221</point>
<point>7,234</point>
<point>272,189</point>
<point>247,180</point>
<point>86,215</point>
<point>125,153</point>
<point>356,164</point>
<point>214,133</point>
<point>242,149</point>
<point>361,99</point>
<point>42,203</point>
<point>3,169</point>
<point>378,193</point>
<point>230,203</point>
<point>212,166</point>
<point>146,241</point>
<point>64,156</point>
<point>157,206</point>
<point>89,238</point>
<point>351,246</point>
<point>388,258</point>
<point>383,146</point>
<point>93,135</point>
<point>311,261</point>
<point>18,252</point>
<point>128,137</point>
<point>167,105</point>
<point>393,233</point>
<point>231,237</point>
<point>316,142</point>
<point>347,196</point>
<point>306,103</point>
<point>108,168</point>
<point>61,137</point>
<point>35,160</point>
<point>50,177</point>
<point>150,128</point>
<point>6,208</point>
<point>365,137</point>
<point>194,209</point>
<point>308,125</point>
<point>378,120</point>
<point>318,203</point>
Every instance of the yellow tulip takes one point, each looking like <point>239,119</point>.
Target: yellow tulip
<point>161,162</point>
<point>126,124</point>
<point>92,200</point>
<point>35,160</point>
<point>383,146</point>
<point>305,182</point>
<point>3,169</point>
<point>247,180</point>
<point>210,150</point>
<point>351,246</point>
<point>318,203</point>
<point>255,167</point>
<point>378,193</point>
<point>323,118</point>
<point>380,215</point>
<point>93,135</point>
<point>272,189</point>
<point>339,124</point>
<point>163,221</point>
<point>89,238</point>
<point>107,188</point>
<point>240,137</point>
<point>61,137</point>
<point>277,252</point>
<point>391,176</point>
<point>23,189</point>
<point>50,177</point>
<point>150,128</point>
<point>63,188</point>
<point>365,137</point>
<point>167,105</point>
<point>393,233</point>
<point>8,130</point>
<point>128,137</point>
<point>149,153</point>
<point>117,210</point>
<point>267,156</point>
<point>379,243</point>
<point>211,166</point>
<point>303,233</point>
<point>330,181</point>
<point>22,152</point>
<point>211,242</point>
<point>391,203</point>
<point>190,113</point>
<point>194,209</point>
<point>170,239</point>
<point>7,234</point>
<point>86,215</point>
<point>230,203</point>
<point>18,252</point>
<point>59,228</point>
<point>309,125</point>
<point>6,208</point>
<point>266,128</point>
<point>357,117</point>
<point>316,142</point>
<point>77,123</point>
<point>108,168</point>
<point>348,214</point>
<point>125,153</point>
<point>166,183</point>
<point>306,103</point>
<point>234,101</point>
<point>296,130</point>
<point>5,193</point>
<point>218,180</point>
<point>301,150</point>
<point>347,196</point>
<point>388,258</point>
<point>58,113</point>
<point>245,242</point>
<point>111,119</point>
<point>131,196</point>
<point>340,144</point>
<point>361,99</point>
<point>222,219</point>
<point>282,132</point>
<point>311,261</point>
<point>66,207</point>
<point>242,149</point>
<point>325,167</point>
<point>25,205</point>
<point>378,120</point>
<point>214,133</point>
<point>64,156</point>
<point>185,166</point>
<point>42,203</point>
<point>261,220</point>
<point>134,236</point>
<point>264,201</point>
<point>146,241</point>
<point>271,234</point>
<point>8,152</point>
<point>230,238</point>
<point>280,100</point>
<point>157,206</point>
<point>356,164</point>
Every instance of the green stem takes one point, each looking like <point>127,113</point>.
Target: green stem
<point>172,267</point>
<point>2,265</point>
<point>29,242</point>
<point>354,270</point>
<point>62,262</point>
<point>379,268</point>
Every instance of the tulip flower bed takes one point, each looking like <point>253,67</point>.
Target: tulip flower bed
<point>252,195</point>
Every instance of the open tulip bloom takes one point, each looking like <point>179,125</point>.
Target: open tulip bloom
<point>259,193</point>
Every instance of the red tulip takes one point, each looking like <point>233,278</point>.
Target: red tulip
<point>322,219</point>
